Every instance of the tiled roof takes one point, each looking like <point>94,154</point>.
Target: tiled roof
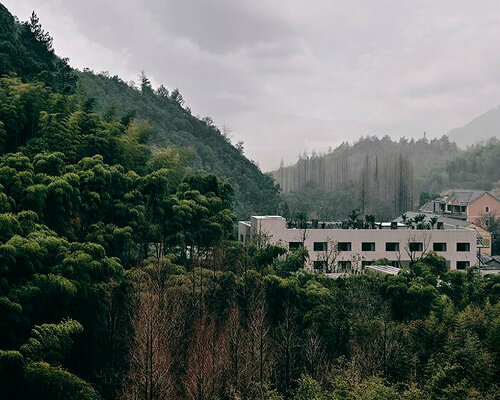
<point>490,260</point>
<point>463,196</point>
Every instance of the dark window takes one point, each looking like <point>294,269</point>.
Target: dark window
<point>487,209</point>
<point>294,245</point>
<point>368,246</point>
<point>392,246</point>
<point>449,207</point>
<point>416,246</point>
<point>320,246</point>
<point>241,237</point>
<point>396,263</point>
<point>344,266</point>
<point>463,264</point>
<point>463,246</point>
<point>439,246</point>
<point>463,209</point>
<point>365,263</point>
<point>344,246</point>
<point>321,265</point>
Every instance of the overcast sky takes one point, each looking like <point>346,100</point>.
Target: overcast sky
<point>290,75</point>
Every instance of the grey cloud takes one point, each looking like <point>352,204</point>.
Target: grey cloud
<point>220,25</point>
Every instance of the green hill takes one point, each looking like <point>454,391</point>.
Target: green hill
<point>26,50</point>
<point>174,125</point>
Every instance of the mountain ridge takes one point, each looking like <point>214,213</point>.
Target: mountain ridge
<point>479,129</point>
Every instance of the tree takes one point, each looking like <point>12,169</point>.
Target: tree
<point>328,256</point>
<point>203,378</point>
<point>150,376</point>
<point>38,33</point>
<point>51,342</point>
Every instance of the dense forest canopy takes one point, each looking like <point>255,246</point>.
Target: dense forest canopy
<point>173,125</point>
<point>120,278</point>
<point>383,176</point>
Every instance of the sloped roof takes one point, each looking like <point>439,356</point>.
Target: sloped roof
<point>490,260</point>
<point>463,196</point>
<point>383,269</point>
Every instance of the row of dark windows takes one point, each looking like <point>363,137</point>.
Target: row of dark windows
<point>347,265</point>
<point>389,246</point>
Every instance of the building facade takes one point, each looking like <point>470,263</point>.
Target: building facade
<point>448,222</point>
<point>332,249</point>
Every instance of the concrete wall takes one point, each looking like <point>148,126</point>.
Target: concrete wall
<point>275,228</point>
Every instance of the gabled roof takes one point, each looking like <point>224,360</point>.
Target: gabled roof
<point>490,260</point>
<point>463,196</point>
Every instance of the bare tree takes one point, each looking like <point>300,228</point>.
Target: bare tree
<point>236,337</point>
<point>258,344</point>
<point>357,263</point>
<point>205,363</point>
<point>286,345</point>
<point>491,223</point>
<point>149,376</point>
<point>314,354</point>
<point>329,255</point>
<point>414,253</point>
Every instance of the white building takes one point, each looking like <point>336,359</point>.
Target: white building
<point>335,249</point>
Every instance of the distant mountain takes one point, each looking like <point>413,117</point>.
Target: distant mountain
<point>479,129</point>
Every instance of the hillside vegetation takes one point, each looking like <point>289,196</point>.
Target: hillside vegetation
<point>384,177</point>
<point>173,125</point>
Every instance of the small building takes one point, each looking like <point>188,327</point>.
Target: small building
<point>333,248</point>
<point>468,204</point>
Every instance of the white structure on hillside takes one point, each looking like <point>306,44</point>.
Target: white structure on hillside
<point>349,250</point>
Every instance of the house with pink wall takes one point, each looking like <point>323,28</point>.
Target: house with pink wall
<point>467,204</point>
<point>485,205</point>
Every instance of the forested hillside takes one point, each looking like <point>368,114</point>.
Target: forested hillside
<point>173,125</point>
<point>476,168</point>
<point>384,177</point>
<point>378,176</point>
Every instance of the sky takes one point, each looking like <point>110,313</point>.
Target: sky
<point>288,76</point>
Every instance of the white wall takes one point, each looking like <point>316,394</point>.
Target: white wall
<point>275,228</point>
